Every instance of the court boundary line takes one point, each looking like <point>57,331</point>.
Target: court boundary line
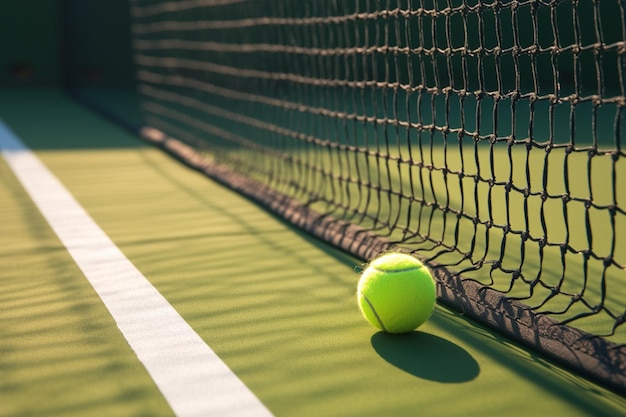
<point>189,374</point>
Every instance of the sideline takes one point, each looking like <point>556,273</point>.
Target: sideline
<point>191,377</point>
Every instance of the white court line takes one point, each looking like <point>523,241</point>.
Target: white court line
<point>192,378</point>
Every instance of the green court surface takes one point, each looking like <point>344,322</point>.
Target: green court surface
<point>278,307</point>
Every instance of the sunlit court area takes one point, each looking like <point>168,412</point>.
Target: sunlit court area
<point>312,208</point>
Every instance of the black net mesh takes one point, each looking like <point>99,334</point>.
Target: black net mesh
<point>483,136</point>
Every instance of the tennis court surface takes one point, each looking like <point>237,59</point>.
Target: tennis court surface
<point>187,204</point>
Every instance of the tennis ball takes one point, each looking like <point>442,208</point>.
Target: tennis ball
<point>396,293</point>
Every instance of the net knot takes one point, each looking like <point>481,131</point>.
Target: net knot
<point>554,99</point>
<point>615,155</point>
<point>598,48</point>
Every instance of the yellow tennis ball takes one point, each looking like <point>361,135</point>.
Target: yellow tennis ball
<point>396,293</point>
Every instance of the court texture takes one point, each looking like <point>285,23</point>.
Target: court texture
<point>134,285</point>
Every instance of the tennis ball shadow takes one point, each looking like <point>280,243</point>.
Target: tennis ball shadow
<point>426,356</point>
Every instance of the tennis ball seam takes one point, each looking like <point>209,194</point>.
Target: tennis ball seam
<point>382,325</point>
<point>394,271</point>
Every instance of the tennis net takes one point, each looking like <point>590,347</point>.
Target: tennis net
<point>483,137</point>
